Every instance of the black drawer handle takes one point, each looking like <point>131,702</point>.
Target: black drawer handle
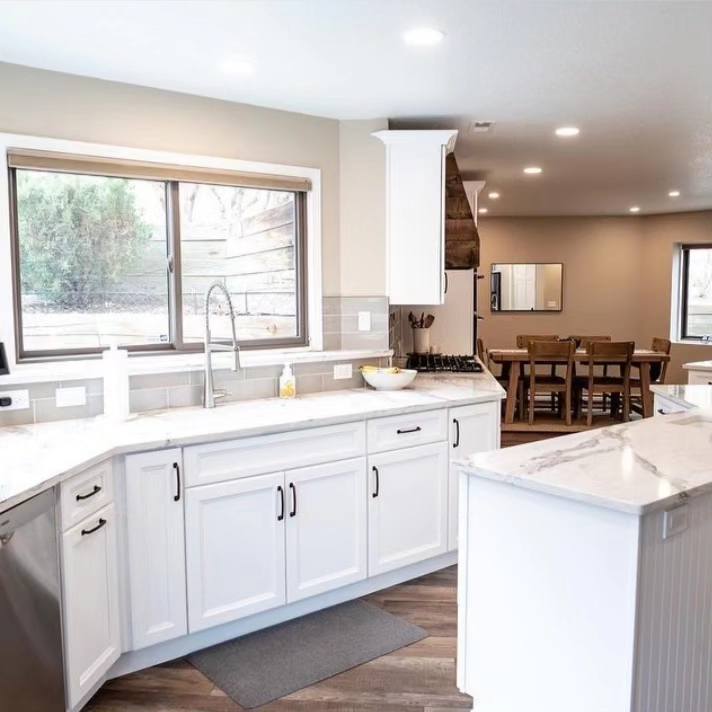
<point>94,529</point>
<point>662,412</point>
<point>176,496</point>
<point>378,482</point>
<point>280,490</point>
<point>457,432</point>
<point>416,429</point>
<point>294,499</point>
<point>96,490</point>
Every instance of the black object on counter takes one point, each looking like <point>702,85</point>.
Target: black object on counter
<point>443,362</point>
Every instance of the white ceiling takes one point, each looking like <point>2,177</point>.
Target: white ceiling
<point>636,77</point>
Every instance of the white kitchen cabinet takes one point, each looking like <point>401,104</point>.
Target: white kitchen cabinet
<point>664,406</point>
<point>91,602</point>
<point>407,517</point>
<point>156,547</point>
<point>699,378</point>
<point>235,549</point>
<point>473,429</point>
<point>259,455</point>
<point>415,214</point>
<point>326,527</point>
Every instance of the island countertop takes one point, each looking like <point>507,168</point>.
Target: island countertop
<point>634,467</point>
<point>36,457</point>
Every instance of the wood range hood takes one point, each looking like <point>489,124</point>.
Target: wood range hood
<point>462,241</point>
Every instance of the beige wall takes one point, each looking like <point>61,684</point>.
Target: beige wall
<point>660,234</point>
<point>617,276</point>
<point>362,219</point>
<point>43,103</point>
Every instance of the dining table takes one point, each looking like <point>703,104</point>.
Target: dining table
<point>512,361</point>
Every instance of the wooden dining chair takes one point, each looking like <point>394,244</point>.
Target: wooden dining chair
<point>583,341</point>
<point>602,353</point>
<point>551,353</point>
<point>658,373</point>
<point>482,353</point>
<point>523,343</point>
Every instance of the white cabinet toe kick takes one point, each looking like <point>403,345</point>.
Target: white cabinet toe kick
<point>170,551</point>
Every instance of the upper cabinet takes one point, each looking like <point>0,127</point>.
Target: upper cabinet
<point>415,214</point>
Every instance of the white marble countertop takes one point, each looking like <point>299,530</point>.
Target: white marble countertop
<point>698,366</point>
<point>687,395</point>
<point>35,457</point>
<point>635,467</point>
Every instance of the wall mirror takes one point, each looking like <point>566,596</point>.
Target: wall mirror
<point>527,287</point>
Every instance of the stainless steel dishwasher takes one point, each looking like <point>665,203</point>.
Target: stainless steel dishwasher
<point>31,668</point>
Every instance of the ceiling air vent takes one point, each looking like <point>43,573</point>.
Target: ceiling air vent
<point>481,126</point>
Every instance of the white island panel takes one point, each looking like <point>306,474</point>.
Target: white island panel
<point>548,602</point>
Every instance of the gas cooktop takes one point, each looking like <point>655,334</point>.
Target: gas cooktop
<point>443,362</point>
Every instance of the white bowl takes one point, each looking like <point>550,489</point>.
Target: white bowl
<point>384,380</point>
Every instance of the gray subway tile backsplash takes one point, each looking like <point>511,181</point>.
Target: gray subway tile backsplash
<point>185,388</point>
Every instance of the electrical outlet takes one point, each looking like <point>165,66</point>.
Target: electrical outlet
<point>675,520</point>
<point>20,400</point>
<point>342,371</point>
<point>68,397</point>
<point>364,321</point>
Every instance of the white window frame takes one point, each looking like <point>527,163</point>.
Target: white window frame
<point>313,220</point>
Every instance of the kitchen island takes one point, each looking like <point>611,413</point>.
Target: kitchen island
<point>585,579</point>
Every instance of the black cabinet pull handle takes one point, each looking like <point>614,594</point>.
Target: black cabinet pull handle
<point>378,482</point>
<point>280,490</point>
<point>457,432</point>
<point>96,490</point>
<point>662,412</point>
<point>446,283</point>
<point>294,499</point>
<point>416,429</point>
<point>94,529</point>
<point>176,497</point>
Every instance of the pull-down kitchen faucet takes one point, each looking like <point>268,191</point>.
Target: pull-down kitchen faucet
<point>209,393</point>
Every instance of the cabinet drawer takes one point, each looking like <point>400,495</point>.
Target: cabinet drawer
<point>699,378</point>
<point>218,462</point>
<point>663,406</point>
<point>86,493</point>
<point>399,431</point>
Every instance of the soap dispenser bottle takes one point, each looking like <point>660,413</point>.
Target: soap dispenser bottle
<point>287,383</point>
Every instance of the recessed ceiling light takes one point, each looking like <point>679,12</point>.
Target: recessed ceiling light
<point>423,36</point>
<point>494,195</point>
<point>483,211</point>
<point>674,193</point>
<point>532,170</point>
<point>235,65</point>
<point>567,131</point>
<point>634,209</point>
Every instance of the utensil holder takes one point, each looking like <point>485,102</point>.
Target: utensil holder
<point>421,341</point>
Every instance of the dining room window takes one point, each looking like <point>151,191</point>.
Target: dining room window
<point>696,292</point>
<point>121,253</point>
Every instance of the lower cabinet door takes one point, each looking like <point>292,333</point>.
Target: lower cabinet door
<point>407,516</point>
<point>235,549</point>
<point>326,527</point>
<point>473,429</point>
<point>156,547</point>
<point>91,602</point>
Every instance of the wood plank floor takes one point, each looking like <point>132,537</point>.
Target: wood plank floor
<point>418,678</point>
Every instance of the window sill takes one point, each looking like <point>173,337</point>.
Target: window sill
<point>80,370</point>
